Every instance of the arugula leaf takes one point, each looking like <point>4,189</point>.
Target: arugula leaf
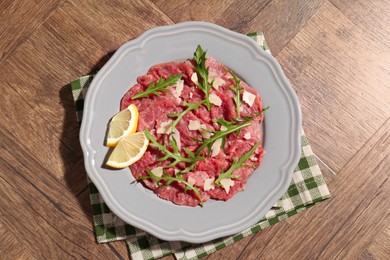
<point>235,121</point>
<point>205,86</point>
<point>237,91</point>
<point>264,109</point>
<point>179,116</point>
<point>237,163</point>
<point>220,134</point>
<point>175,155</point>
<point>169,179</point>
<point>161,85</point>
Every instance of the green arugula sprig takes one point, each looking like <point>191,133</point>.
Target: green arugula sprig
<point>220,134</point>
<point>237,163</point>
<point>175,155</point>
<point>160,85</point>
<point>235,121</point>
<point>237,91</point>
<point>204,85</point>
<point>179,116</point>
<point>168,181</point>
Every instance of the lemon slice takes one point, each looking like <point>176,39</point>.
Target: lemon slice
<point>123,123</point>
<point>128,150</point>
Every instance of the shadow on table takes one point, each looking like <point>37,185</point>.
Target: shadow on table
<point>75,174</point>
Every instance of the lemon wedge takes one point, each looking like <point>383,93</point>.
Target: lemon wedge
<point>122,124</point>
<point>128,150</point>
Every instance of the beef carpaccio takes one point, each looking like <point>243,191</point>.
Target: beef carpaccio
<point>233,115</point>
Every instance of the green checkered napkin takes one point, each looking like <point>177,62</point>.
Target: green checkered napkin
<point>307,188</point>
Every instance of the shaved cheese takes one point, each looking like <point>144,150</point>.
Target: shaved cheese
<point>247,136</point>
<point>191,181</point>
<point>214,99</point>
<point>216,147</point>
<point>176,135</point>
<point>223,128</point>
<point>165,127</point>
<point>227,183</point>
<point>218,82</point>
<point>228,75</point>
<point>248,98</point>
<point>191,94</point>
<point>194,125</point>
<point>179,88</point>
<point>209,184</point>
<point>194,77</point>
<point>203,132</point>
<point>158,171</point>
<point>212,75</point>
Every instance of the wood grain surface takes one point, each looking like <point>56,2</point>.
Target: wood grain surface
<point>335,53</point>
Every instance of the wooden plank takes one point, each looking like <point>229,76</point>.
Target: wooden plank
<point>371,16</point>
<point>12,248</point>
<point>344,92</point>
<point>223,13</point>
<point>327,172</point>
<point>19,19</point>
<point>30,127</point>
<point>344,225</point>
<point>34,84</point>
<point>57,48</point>
<point>380,247</point>
<point>239,249</point>
<point>279,22</point>
<point>39,86</point>
<point>119,21</point>
<point>40,211</point>
<point>371,213</point>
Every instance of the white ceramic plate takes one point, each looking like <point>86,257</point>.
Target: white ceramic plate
<point>141,207</point>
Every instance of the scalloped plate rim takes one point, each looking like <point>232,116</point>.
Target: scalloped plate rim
<point>181,233</point>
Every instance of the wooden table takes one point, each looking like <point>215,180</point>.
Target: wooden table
<point>335,53</point>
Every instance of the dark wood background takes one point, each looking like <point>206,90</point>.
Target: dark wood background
<point>335,53</point>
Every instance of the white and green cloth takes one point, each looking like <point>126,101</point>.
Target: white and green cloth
<point>306,189</point>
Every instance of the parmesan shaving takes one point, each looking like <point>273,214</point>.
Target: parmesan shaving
<point>194,125</point>
<point>191,181</point>
<point>218,82</point>
<point>216,147</point>
<point>248,98</point>
<point>203,132</point>
<point>212,75</point>
<point>247,136</point>
<point>165,127</point>
<point>158,171</point>
<point>223,128</point>
<point>226,184</point>
<point>214,99</point>
<point>179,88</point>
<point>194,78</point>
<point>209,184</point>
